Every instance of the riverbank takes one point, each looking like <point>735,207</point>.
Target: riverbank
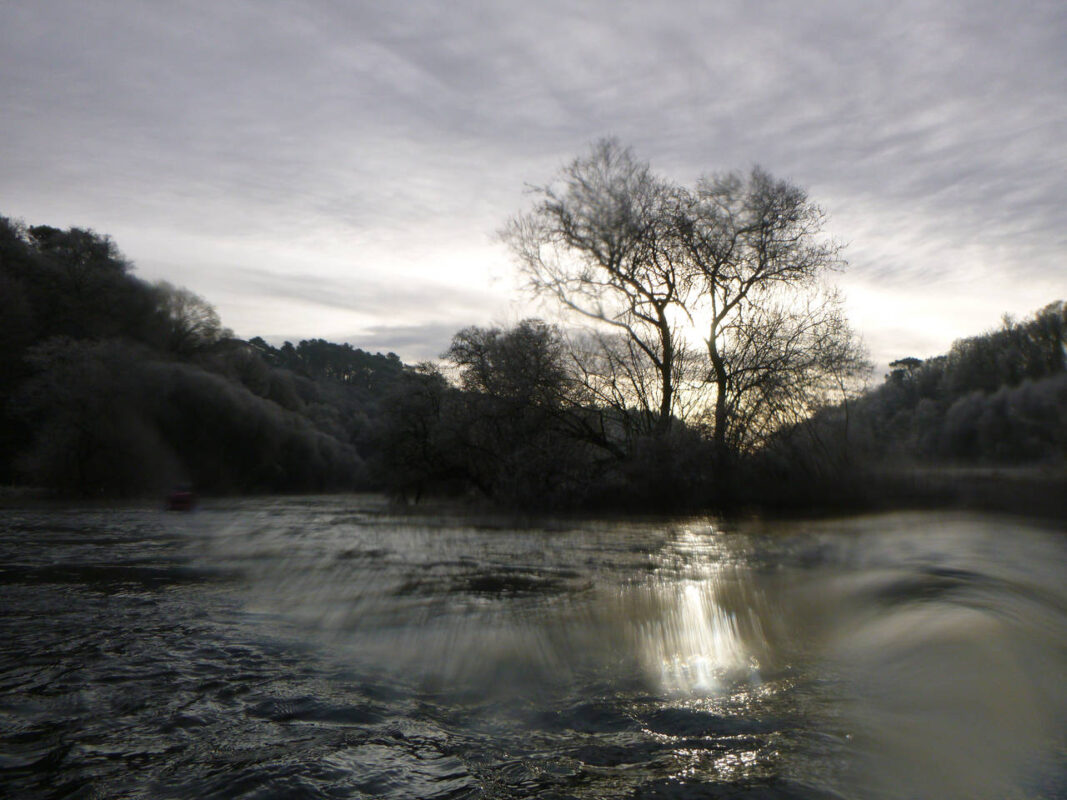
<point>1034,491</point>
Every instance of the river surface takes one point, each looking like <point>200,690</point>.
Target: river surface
<point>311,647</point>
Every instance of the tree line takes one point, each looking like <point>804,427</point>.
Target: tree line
<point>702,360</point>
<point>996,402</point>
<point>995,398</point>
<point>699,321</point>
<point>110,385</point>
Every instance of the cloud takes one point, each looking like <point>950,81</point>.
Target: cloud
<point>424,342</point>
<point>368,150</point>
<point>367,297</point>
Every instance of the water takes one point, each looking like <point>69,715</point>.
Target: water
<point>332,648</point>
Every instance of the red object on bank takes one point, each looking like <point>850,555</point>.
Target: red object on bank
<point>181,500</point>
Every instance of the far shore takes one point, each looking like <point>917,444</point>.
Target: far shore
<point>1031,490</point>
<point>1036,490</point>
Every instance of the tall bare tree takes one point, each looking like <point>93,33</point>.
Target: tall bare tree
<point>776,338</point>
<point>598,240</point>
<point>738,262</point>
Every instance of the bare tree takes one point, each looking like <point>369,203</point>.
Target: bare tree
<point>742,257</point>
<point>598,241</point>
<point>619,378</point>
<point>755,246</point>
<point>782,359</point>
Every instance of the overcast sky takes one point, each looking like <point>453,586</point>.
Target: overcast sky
<point>338,169</point>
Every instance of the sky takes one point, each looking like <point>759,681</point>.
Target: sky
<point>340,169</point>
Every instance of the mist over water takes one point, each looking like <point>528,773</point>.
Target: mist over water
<point>332,648</point>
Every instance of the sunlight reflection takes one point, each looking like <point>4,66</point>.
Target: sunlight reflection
<point>733,765</point>
<point>694,644</point>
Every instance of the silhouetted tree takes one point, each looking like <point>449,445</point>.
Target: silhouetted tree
<point>519,422</point>
<point>526,365</point>
<point>189,324</point>
<point>416,451</point>
<point>903,369</point>
<point>743,256</point>
<point>598,241</point>
<point>618,384</point>
<point>108,417</point>
<point>83,287</point>
<point>109,384</point>
<point>92,430</point>
<point>994,398</point>
<point>777,340</point>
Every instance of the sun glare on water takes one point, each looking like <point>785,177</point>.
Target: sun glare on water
<point>690,641</point>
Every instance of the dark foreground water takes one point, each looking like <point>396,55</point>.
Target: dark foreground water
<point>329,648</point>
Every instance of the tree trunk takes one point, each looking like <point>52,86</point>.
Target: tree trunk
<point>720,378</point>
<point>666,369</point>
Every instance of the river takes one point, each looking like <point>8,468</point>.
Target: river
<point>335,647</point>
